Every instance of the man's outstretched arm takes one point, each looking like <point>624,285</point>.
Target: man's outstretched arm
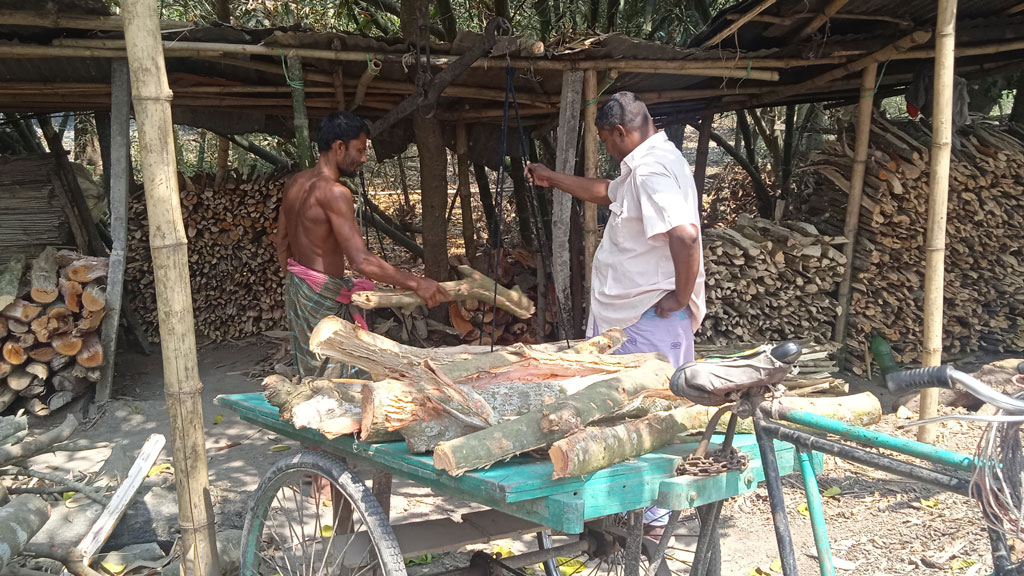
<point>340,210</point>
<point>589,189</point>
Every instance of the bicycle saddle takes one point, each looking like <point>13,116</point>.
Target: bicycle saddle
<point>715,381</point>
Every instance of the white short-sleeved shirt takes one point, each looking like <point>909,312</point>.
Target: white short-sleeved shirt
<point>633,267</point>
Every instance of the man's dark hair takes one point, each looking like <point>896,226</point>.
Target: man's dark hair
<point>344,126</point>
<point>623,109</point>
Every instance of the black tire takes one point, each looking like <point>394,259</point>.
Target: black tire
<point>293,481</point>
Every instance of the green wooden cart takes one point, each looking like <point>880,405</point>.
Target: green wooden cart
<point>312,515</point>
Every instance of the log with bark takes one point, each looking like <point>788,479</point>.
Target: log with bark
<point>474,285</point>
<point>10,279</point>
<point>594,448</point>
<point>19,522</point>
<point>94,297</point>
<point>43,277</point>
<point>21,311</point>
<point>547,424</point>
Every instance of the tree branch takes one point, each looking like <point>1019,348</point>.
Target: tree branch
<point>764,198</point>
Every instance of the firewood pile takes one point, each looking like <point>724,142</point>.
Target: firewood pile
<point>237,284</point>
<point>984,292</point>
<point>472,407</point>
<point>769,281</point>
<point>50,313</point>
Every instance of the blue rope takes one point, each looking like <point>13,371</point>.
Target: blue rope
<point>284,68</point>
<point>878,83</point>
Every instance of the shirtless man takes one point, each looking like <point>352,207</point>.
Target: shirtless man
<point>317,234</point>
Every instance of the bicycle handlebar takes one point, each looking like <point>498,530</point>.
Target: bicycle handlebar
<point>906,381</point>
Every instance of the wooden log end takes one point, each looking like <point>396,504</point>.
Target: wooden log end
<point>444,460</point>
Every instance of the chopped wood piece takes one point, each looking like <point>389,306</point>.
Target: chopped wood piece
<point>87,269</point>
<point>41,328</point>
<point>35,389</point>
<point>3,327</point>
<point>37,407</point>
<point>10,279</point>
<point>66,381</point>
<point>16,327</point>
<point>21,311</point>
<point>38,369</point>
<point>26,340</point>
<point>66,344</point>
<point>5,368</point>
<point>42,353</point>
<point>91,354</point>
<point>94,297</point>
<point>59,361</point>
<point>43,277</point>
<point>90,374</point>
<point>7,396</point>
<point>90,321</point>
<point>59,400</point>
<point>14,353</point>
<point>71,291</point>
<point>19,379</point>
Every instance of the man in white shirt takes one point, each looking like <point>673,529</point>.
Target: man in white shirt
<point>648,272</point>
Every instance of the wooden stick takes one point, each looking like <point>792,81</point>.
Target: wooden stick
<point>372,70</point>
<point>475,286</point>
<point>938,190</point>
<point>465,199</point>
<point>730,29</point>
<point>860,157</point>
<point>590,139</point>
<point>58,19</point>
<point>830,9</point>
<point>19,522</point>
<point>39,444</point>
<point>169,247</point>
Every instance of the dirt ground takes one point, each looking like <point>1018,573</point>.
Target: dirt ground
<point>879,525</point>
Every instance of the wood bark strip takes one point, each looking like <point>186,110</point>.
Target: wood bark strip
<point>595,448</point>
<point>474,286</point>
<point>545,425</point>
<point>43,277</point>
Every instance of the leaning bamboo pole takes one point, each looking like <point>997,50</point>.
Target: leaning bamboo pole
<point>169,246</point>
<point>860,158</point>
<point>590,238</point>
<point>732,28</point>
<point>935,242</point>
<point>830,9</point>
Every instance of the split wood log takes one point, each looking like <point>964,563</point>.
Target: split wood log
<point>21,311</point>
<point>390,405</point>
<point>89,321</point>
<point>66,381</point>
<point>545,425</point>
<point>60,361</point>
<point>36,407</point>
<point>66,344</point>
<point>91,354</point>
<point>543,367</point>
<point>87,269</point>
<point>289,393</point>
<point>94,297</point>
<point>474,286</point>
<point>10,279</point>
<point>59,400</point>
<point>71,292</point>
<point>33,390</point>
<point>14,353</point>
<point>26,340</point>
<point>7,396</point>
<point>90,374</point>
<point>19,522</point>
<point>38,369</point>
<point>41,328</point>
<point>19,379</point>
<point>16,327</point>
<point>43,277</point>
<point>595,448</point>
<point>5,368</point>
<point>42,353</point>
<point>3,327</point>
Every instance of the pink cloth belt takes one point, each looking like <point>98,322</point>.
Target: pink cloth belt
<point>317,280</point>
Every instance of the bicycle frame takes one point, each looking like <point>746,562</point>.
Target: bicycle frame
<point>769,426</point>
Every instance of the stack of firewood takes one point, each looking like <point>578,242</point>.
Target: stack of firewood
<point>473,408</point>
<point>984,291</point>
<point>237,286</point>
<point>50,314</point>
<point>769,281</point>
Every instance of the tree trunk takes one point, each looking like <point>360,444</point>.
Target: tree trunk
<point>19,522</point>
<point>169,247</point>
<point>223,157</point>
<point>749,145</point>
<point>303,145</point>
<point>595,448</point>
<point>520,193</point>
<point>433,157</point>
<point>448,22</point>
<point>501,10</point>
<point>223,9</point>
<point>543,9</point>
<point>87,148</point>
<point>1017,112</point>
<point>487,202</point>
<point>466,201</point>
<point>787,151</point>
<point>549,423</point>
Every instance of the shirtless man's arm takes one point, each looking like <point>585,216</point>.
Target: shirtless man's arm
<point>284,248</point>
<point>337,204</point>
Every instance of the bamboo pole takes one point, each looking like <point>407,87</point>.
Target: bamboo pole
<point>300,119</point>
<point>462,156</point>
<point>732,28</point>
<point>169,246</point>
<point>701,162</point>
<point>372,70</point>
<point>830,9</point>
<point>590,139</point>
<point>57,19</point>
<point>935,242</point>
<point>860,157</point>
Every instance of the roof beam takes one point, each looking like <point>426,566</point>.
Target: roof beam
<point>732,28</point>
<point>53,19</point>
<point>830,9</point>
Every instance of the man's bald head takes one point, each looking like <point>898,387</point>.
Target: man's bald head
<point>626,110</point>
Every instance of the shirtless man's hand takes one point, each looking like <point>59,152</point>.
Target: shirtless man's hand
<point>431,292</point>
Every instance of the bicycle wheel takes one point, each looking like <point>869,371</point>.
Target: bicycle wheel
<point>678,561</point>
<point>312,516</point>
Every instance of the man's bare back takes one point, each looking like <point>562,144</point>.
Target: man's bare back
<point>312,241</point>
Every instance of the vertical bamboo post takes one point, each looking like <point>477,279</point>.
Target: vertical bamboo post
<point>339,80</point>
<point>466,206</point>
<point>860,157</point>
<point>700,168</point>
<point>590,171</point>
<point>169,246</point>
<point>300,120</point>
<point>223,154</point>
<point>935,242</point>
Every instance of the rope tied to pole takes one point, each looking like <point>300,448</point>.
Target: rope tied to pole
<point>299,84</point>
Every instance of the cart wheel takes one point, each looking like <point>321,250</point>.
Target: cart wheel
<point>676,562</point>
<point>297,525</point>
